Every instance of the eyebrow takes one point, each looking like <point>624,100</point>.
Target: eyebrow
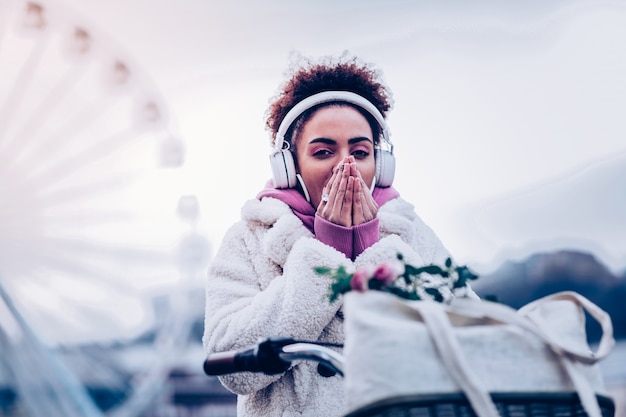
<point>333,142</point>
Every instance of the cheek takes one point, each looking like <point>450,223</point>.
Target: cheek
<point>367,170</point>
<point>315,175</point>
<point>321,176</point>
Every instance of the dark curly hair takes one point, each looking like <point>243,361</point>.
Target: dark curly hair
<point>345,73</point>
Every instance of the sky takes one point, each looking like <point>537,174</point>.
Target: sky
<point>507,124</point>
<point>494,102</point>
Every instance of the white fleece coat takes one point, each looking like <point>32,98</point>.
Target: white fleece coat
<point>261,283</point>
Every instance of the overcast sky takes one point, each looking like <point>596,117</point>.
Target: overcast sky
<point>508,125</point>
<point>493,102</point>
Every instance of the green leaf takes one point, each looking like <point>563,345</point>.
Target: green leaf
<point>428,269</point>
<point>407,277</point>
<point>460,283</point>
<point>322,270</point>
<point>402,293</point>
<point>434,292</point>
<point>339,287</point>
<point>465,273</point>
<point>410,270</point>
<point>374,284</point>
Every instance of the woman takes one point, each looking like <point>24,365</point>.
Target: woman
<point>330,203</point>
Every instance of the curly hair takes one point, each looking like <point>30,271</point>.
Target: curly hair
<point>345,73</point>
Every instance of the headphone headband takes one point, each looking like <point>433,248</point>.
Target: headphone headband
<point>325,97</point>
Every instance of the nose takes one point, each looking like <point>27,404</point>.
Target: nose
<point>345,156</point>
<point>342,154</point>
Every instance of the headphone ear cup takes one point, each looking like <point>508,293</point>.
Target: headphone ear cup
<point>283,169</point>
<point>385,168</point>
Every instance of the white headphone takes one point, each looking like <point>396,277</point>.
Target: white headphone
<point>281,159</point>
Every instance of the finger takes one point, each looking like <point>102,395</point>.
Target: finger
<point>367,186</point>
<point>357,204</point>
<point>324,207</point>
<point>370,207</point>
<point>354,170</point>
<point>323,203</point>
<point>340,190</point>
<point>339,214</point>
<point>333,177</point>
<point>326,190</point>
<point>332,211</point>
<point>346,208</point>
<point>335,183</point>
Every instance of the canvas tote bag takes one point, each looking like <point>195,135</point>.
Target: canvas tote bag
<point>395,347</point>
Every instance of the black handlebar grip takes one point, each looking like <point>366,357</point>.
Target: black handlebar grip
<point>223,363</point>
<point>264,357</point>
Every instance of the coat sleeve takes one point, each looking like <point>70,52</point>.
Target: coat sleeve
<point>240,310</point>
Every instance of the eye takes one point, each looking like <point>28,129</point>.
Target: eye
<point>361,153</point>
<point>321,152</point>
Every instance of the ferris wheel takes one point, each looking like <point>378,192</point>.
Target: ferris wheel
<point>88,161</point>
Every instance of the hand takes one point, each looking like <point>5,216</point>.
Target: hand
<point>364,208</point>
<point>350,202</point>
<point>340,189</point>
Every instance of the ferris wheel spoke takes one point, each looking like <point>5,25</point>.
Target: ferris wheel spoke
<point>3,25</point>
<point>63,269</point>
<point>83,219</point>
<point>68,135</point>
<point>115,257</point>
<point>73,165</point>
<point>17,92</point>
<point>26,139</point>
<point>43,380</point>
<point>66,196</point>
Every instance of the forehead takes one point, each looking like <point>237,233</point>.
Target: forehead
<point>336,116</point>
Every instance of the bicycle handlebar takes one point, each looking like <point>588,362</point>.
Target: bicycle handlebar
<point>273,356</point>
<point>228,362</point>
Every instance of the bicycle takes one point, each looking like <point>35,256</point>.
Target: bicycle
<point>276,355</point>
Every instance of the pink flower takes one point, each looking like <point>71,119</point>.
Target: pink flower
<point>387,272</point>
<point>360,279</point>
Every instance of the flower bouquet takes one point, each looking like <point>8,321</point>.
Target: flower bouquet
<point>396,277</point>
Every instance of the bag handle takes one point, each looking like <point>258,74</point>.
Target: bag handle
<point>441,332</point>
<point>525,318</point>
<point>438,323</point>
<point>583,387</point>
<point>607,341</point>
